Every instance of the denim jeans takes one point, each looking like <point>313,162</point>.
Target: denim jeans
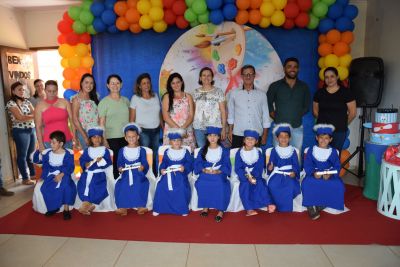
<point>296,139</point>
<point>151,138</point>
<point>25,141</point>
<point>81,140</point>
<point>200,137</point>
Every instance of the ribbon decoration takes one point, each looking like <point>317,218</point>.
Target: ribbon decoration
<point>89,179</point>
<point>280,170</point>
<point>326,172</point>
<point>248,172</point>
<point>130,168</point>
<point>57,172</point>
<point>172,168</point>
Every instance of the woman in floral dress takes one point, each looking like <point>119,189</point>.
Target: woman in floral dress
<point>178,110</point>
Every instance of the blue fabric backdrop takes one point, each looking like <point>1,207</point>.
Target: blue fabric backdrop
<point>129,55</point>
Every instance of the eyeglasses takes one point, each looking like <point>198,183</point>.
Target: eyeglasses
<point>248,75</point>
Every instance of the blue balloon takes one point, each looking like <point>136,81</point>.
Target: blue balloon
<point>112,29</point>
<point>229,1</point>
<point>110,4</point>
<point>326,25</point>
<point>229,11</point>
<point>335,11</point>
<point>109,17</point>
<point>216,17</point>
<point>96,9</point>
<point>214,4</point>
<point>69,93</point>
<point>346,144</point>
<point>344,24</point>
<point>342,2</point>
<point>99,25</point>
<point>351,11</point>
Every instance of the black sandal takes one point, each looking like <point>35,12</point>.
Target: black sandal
<point>218,218</point>
<point>204,213</point>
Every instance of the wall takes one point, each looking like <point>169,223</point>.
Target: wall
<point>12,31</point>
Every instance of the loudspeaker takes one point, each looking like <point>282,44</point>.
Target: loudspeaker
<point>366,80</point>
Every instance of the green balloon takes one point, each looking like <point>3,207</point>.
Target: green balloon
<point>314,2</point>
<point>86,5</point>
<point>190,15</point>
<point>328,2</point>
<point>203,18</point>
<point>199,7</point>
<point>74,12</point>
<point>86,17</point>
<point>320,9</point>
<point>79,27</point>
<point>314,21</point>
<point>189,3</point>
<point>194,23</point>
<point>91,30</point>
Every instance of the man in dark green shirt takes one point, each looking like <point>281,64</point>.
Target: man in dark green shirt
<point>288,100</point>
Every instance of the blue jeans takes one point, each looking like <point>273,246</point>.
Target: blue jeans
<point>81,140</point>
<point>296,139</point>
<point>151,138</point>
<point>25,141</point>
<point>200,137</point>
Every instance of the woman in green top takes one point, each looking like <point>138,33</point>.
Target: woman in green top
<point>114,115</point>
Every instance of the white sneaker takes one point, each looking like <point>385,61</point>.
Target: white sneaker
<point>155,213</point>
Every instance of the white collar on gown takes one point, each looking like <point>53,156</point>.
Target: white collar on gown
<point>56,160</point>
<point>249,157</point>
<point>214,154</point>
<point>284,152</point>
<point>95,152</point>
<point>176,154</point>
<point>321,154</point>
<point>132,153</point>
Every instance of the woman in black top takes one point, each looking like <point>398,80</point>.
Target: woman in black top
<point>336,105</point>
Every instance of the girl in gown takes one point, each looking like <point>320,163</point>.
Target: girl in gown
<point>322,187</point>
<point>95,162</point>
<point>249,166</point>
<point>172,195</point>
<point>132,186</point>
<point>213,166</point>
<point>283,169</point>
<point>56,188</point>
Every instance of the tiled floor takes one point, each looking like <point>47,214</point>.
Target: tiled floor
<point>25,250</point>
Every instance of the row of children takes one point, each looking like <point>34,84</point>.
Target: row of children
<point>320,188</point>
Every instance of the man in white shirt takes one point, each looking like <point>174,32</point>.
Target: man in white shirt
<point>247,109</point>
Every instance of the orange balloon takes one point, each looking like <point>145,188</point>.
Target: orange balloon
<point>242,17</point>
<point>324,49</point>
<point>132,3</point>
<point>120,8</point>
<point>341,49</point>
<point>322,38</point>
<point>122,24</point>
<point>333,36</point>
<point>255,16</point>
<point>69,73</point>
<point>81,71</point>
<point>135,28</point>
<point>243,4</point>
<point>66,84</point>
<point>87,62</point>
<point>347,37</point>
<point>75,84</point>
<point>255,4</point>
<point>132,16</point>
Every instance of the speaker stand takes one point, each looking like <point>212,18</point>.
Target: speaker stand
<point>359,150</point>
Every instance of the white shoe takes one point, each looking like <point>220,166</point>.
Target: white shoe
<point>184,215</point>
<point>155,213</point>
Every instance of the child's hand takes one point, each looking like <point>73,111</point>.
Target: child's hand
<point>317,176</point>
<point>87,165</point>
<point>326,176</point>
<point>99,158</point>
<point>270,166</point>
<point>292,174</point>
<point>216,171</point>
<point>162,171</point>
<point>205,170</point>
<point>141,168</point>
<point>58,177</point>
<point>181,169</point>
<point>120,169</point>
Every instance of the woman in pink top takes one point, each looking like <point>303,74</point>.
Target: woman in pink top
<point>52,114</point>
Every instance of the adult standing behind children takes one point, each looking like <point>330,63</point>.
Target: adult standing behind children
<point>288,101</point>
<point>247,109</point>
<point>114,115</point>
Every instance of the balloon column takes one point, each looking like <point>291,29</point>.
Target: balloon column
<point>173,13</point>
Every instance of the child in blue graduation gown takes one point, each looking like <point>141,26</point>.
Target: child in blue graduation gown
<point>322,187</point>
<point>132,186</point>
<point>95,161</point>
<point>283,169</point>
<point>213,166</point>
<point>172,195</point>
<point>57,187</point>
<point>249,166</point>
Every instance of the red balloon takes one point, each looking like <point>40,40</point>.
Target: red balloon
<point>85,38</point>
<point>168,3</point>
<point>64,26</point>
<point>289,24</point>
<point>61,39</point>
<point>181,22</point>
<point>67,18</point>
<point>302,20</point>
<point>169,17</point>
<point>291,10</point>
<point>179,8</point>
<point>72,38</point>
<point>321,84</point>
<point>345,83</point>
<point>304,5</point>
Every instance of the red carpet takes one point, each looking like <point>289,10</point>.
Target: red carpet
<point>362,225</point>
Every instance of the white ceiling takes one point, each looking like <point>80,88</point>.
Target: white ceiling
<point>38,4</point>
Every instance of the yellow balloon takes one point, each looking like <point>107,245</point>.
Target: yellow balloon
<point>156,13</point>
<point>65,50</point>
<point>265,22</point>
<point>278,18</point>
<point>160,26</point>
<point>157,3</point>
<point>345,60</point>
<point>81,49</point>
<point>64,63</point>
<point>74,62</point>
<point>343,73</point>
<point>279,4</point>
<point>331,60</point>
<point>267,9</point>
<point>145,22</point>
<point>143,6</point>
<point>321,62</point>
<point>321,74</point>
<point>87,62</point>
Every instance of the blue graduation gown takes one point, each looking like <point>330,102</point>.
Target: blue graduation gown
<point>253,196</point>
<point>97,187</point>
<point>132,193</point>
<point>55,196</point>
<point>284,188</point>
<point>320,192</point>
<point>175,201</point>
<point>213,190</point>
